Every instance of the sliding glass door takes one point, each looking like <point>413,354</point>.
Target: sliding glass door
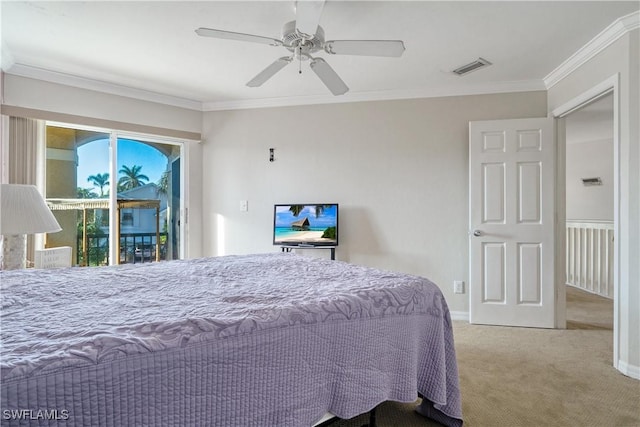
<point>146,175</point>
<point>77,192</point>
<point>117,196</point>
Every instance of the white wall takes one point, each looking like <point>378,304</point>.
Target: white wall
<point>52,97</point>
<point>621,58</point>
<point>398,169</point>
<point>590,160</point>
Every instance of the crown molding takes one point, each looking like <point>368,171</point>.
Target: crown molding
<point>478,89</point>
<point>606,37</point>
<point>129,92</point>
<point>99,86</point>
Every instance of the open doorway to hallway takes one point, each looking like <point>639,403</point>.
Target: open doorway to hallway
<point>590,215</point>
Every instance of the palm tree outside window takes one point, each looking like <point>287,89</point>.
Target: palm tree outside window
<point>100,180</point>
<point>131,178</point>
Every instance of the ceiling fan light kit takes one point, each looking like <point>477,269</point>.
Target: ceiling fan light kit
<point>303,38</point>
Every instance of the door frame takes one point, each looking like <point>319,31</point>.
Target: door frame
<point>609,86</point>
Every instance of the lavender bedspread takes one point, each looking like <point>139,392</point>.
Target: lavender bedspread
<point>256,340</point>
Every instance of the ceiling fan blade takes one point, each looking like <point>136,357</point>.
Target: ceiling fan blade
<point>329,77</point>
<point>365,47</point>
<point>269,72</point>
<point>308,14</point>
<point>230,35</point>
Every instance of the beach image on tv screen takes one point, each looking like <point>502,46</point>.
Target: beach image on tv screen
<point>306,224</point>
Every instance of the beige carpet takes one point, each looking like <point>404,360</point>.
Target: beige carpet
<point>535,377</point>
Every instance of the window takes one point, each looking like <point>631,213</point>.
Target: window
<point>127,219</point>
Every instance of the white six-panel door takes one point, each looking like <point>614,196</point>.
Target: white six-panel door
<point>511,222</point>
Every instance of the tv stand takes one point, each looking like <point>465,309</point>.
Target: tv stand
<point>289,248</point>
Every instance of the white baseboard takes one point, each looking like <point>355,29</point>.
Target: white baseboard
<point>629,370</point>
<point>459,315</point>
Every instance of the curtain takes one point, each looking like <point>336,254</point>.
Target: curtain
<point>23,159</point>
<point>23,146</point>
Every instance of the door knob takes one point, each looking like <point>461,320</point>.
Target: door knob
<point>477,233</point>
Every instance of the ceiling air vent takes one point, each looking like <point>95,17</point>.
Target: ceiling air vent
<point>477,64</point>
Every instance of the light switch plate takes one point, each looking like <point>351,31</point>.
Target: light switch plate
<point>458,287</point>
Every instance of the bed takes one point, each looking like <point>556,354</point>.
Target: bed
<point>256,340</point>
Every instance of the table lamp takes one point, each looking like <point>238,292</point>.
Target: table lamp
<point>23,212</point>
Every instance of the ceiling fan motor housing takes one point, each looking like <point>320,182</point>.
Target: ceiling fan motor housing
<point>293,40</point>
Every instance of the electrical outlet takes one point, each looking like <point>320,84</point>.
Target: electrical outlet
<point>244,205</point>
<point>458,287</point>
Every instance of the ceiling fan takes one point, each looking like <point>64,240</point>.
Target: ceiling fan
<point>304,37</point>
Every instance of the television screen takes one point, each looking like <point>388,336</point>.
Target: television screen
<point>306,225</point>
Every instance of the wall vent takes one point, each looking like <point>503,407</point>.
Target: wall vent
<point>475,65</point>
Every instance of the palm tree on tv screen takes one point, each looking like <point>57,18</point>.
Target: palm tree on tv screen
<point>296,209</point>
<point>132,178</point>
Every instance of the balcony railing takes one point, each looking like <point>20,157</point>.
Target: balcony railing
<point>134,248</point>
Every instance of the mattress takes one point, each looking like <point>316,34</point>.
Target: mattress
<point>258,340</point>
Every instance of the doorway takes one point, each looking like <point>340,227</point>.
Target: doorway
<point>589,174</point>
<point>608,87</point>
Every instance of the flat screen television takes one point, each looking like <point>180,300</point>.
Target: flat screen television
<point>305,225</point>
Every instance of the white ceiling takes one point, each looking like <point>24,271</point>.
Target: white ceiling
<point>151,46</point>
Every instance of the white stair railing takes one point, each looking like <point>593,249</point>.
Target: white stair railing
<point>589,261</point>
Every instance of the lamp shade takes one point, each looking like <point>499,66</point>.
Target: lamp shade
<point>24,211</point>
